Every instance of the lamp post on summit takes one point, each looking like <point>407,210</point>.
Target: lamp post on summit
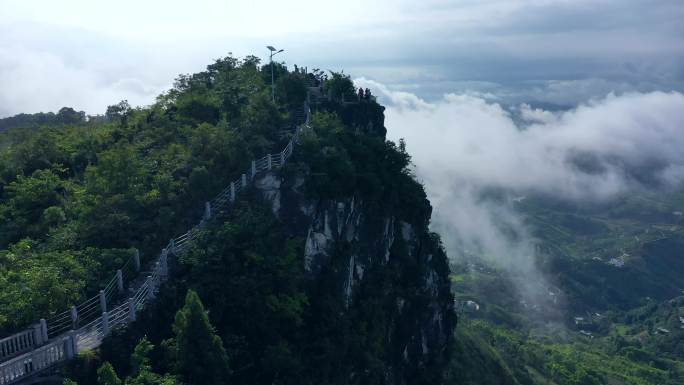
<point>273,53</point>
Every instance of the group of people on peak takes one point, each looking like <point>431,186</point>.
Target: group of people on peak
<point>364,95</point>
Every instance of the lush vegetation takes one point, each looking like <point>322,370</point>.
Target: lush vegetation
<point>77,196</point>
<point>492,354</point>
<point>65,116</point>
<point>609,310</point>
<point>276,324</point>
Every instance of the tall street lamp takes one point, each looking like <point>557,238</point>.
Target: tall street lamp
<point>273,53</point>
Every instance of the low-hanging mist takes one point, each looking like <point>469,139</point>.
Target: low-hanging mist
<point>464,147</point>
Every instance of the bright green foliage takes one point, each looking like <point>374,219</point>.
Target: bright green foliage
<point>107,376</point>
<point>82,193</point>
<point>279,326</point>
<point>142,368</point>
<point>150,378</point>
<point>140,359</point>
<point>489,354</point>
<point>142,175</point>
<point>33,280</point>
<point>201,358</point>
<point>118,171</point>
<point>26,201</point>
<point>68,381</point>
<point>632,311</point>
<point>475,362</point>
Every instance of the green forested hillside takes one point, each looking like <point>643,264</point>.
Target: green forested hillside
<point>609,310</point>
<point>242,307</point>
<point>75,198</point>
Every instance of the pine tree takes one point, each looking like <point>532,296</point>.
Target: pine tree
<point>142,368</point>
<point>140,360</point>
<point>107,376</point>
<point>201,358</point>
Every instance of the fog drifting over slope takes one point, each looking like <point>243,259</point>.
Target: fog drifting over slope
<point>463,146</point>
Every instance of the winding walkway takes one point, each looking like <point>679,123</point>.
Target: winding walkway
<point>50,342</point>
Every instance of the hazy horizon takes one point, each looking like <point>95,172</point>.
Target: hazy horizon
<point>488,94</point>
<point>560,53</point>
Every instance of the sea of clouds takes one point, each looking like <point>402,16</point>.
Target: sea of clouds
<point>464,146</point>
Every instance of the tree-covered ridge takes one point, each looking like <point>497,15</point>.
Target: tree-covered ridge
<point>76,197</point>
<point>279,324</point>
<point>65,115</point>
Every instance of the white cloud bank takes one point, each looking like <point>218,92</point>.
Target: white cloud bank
<point>33,81</point>
<point>74,52</point>
<point>463,146</point>
<point>593,151</point>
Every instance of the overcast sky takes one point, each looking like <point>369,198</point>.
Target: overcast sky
<point>490,94</point>
<point>89,54</point>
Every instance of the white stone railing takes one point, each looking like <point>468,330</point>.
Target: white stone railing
<point>21,341</point>
<point>51,342</point>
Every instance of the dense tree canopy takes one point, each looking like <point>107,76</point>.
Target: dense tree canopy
<point>199,352</point>
<point>77,198</point>
<point>75,193</point>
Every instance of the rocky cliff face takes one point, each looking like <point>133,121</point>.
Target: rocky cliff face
<point>366,254</point>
